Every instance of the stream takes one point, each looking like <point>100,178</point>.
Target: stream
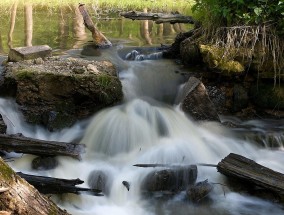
<point>148,127</point>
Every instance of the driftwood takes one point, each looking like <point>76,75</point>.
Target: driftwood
<point>49,185</point>
<point>158,17</point>
<point>19,197</point>
<point>248,171</point>
<point>10,143</point>
<point>99,39</point>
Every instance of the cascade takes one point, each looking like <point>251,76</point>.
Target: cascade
<point>145,128</point>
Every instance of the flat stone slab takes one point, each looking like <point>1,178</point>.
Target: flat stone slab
<point>29,53</point>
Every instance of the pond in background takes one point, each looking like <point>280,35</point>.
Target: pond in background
<point>63,28</point>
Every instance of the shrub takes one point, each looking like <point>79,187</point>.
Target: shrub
<point>253,25</point>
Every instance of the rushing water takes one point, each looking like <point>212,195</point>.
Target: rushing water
<point>145,128</point>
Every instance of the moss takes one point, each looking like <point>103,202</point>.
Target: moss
<point>6,172</point>
<point>24,74</point>
<point>231,66</point>
<point>104,80</point>
<point>213,56</point>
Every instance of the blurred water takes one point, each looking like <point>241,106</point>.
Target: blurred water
<point>146,128</point>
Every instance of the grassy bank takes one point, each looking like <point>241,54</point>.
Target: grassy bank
<point>161,5</point>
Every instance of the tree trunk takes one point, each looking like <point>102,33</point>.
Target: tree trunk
<point>12,23</point>
<point>99,39</point>
<point>26,145</point>
<point>19,197</point>
<point>248,171</point>
<point>28,24</point>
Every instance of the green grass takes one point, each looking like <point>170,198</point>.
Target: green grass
<point>161,5</point>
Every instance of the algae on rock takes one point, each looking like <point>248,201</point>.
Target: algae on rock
<point>214,58</point>
<point>60,91</point>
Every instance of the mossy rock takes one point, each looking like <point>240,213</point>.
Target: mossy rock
<point>213,57</point>
<point>56,95</point>
<point>268,96</point>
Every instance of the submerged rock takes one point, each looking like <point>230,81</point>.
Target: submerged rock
<point>200,190</point>
<point>3,126</point>
<point>58,91</point>
<point>172,180</point>
<point>99,180</point>
<point>196,102</point>
<point>44,163</point>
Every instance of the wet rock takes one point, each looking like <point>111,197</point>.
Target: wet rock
<point>174,50</point>
<point>200,190</point>
<point>240,98</point>
<point>29,52</point>
<point>99,180</point>
<point>172,180</point>
<point>61,91</point>
<point>126,184</point>
<point>266,95</point>
<point>44,163</point>
<point>190,52</point>
<point>3,126</point>
<point>196,102</point>
<point>219,98</point>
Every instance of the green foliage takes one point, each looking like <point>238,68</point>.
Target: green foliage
<point>239,12</point>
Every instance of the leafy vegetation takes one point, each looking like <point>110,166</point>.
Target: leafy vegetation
<point>248,12</point>
<point>251,28</point>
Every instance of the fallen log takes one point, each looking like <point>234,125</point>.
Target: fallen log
<point>49,185</point>
<point>99,39</point>
<point>159,18</point>
<point>248,171</point>
<point>11,143</point>
<point>17,196</point>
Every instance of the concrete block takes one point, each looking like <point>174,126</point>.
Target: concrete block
<point>29,53</point>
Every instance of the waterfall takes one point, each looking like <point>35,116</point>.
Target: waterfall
<point>146,128</point>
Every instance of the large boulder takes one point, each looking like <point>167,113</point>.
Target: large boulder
<point>195,101</point>
<point>56,92</point>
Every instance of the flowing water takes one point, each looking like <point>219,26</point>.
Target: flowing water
<point>147,127</point>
